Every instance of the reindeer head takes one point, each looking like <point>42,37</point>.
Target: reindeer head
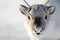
<point>37,16</point>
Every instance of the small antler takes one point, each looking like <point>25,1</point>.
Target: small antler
<point>46,2</point>
<point>26,3</point>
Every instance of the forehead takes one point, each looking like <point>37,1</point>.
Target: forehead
<point>38,10</point>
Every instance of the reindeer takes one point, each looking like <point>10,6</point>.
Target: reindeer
<point>36,18</point>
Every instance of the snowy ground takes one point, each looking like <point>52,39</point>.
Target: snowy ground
<point>12,21</point>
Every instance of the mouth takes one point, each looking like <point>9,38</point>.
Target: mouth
<point>38,33</point>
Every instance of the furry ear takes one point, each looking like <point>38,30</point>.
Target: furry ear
<point>51,9</point>
<point>23,9</point>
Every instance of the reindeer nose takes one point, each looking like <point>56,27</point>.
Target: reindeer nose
<point>38,21</point>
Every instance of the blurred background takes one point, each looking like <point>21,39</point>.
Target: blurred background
<point>12,21</point>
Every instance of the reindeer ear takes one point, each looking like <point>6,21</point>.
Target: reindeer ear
<point>23,9</point>
<point>51,9</point>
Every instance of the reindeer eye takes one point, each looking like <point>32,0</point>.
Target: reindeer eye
<point>28,17</point>
<point>46,17</point>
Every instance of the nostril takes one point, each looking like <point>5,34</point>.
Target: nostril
<point>38,29</point>
<point>37,33</point>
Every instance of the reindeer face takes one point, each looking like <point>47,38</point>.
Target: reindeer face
<point>37,16</point>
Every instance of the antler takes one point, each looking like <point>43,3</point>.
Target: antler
<point>41,0</point>
<point>26,3</point>
<point>46,2</point>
